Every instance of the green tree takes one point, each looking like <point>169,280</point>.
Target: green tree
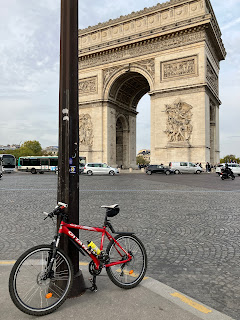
<point>141,160</point>
<point>230,158</point>
<point>33,147</point>
<point>28,148</point>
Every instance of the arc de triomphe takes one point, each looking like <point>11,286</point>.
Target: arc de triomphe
<point>170,51</point>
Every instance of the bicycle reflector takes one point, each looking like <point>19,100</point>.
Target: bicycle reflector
<point>131,272</point>
<point>49,295</point>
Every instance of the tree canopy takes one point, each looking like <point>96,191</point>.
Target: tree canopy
<point>230,158</point>
<point>28,148</point>
<point>141,160</point>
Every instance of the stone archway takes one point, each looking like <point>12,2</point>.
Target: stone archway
<point>171,51</point>
<point>123,94</point>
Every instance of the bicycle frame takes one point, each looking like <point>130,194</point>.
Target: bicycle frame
<point>64,229</point>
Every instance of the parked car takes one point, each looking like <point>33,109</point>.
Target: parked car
<point>185,167</point>
<point>235,167</point>
<point>99,168</point>
<point>154,168</point>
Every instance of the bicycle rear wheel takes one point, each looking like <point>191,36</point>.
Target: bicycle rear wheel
<point>31,290</point>
<point>127,275</point>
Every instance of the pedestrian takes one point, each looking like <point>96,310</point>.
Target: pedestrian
<point>208,167</point>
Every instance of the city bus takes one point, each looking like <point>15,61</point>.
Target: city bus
<point>39,164</point>
<point>42,164</point>
<point>8,162</point>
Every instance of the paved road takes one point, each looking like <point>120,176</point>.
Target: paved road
<point>189,224</point>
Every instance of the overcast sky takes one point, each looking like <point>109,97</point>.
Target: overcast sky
<point>29,68</point>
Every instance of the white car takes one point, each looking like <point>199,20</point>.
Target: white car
<point>235,167</point>
<point>99,168</point>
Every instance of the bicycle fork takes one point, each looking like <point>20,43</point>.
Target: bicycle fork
<point>52,257</point>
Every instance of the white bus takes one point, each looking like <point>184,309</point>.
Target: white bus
<point>8,162</point>
<point>39,164</point>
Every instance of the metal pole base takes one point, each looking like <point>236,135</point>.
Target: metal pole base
<point>79,286</point>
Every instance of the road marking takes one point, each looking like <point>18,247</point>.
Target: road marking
<point>7,262</point>
<point>191,303</point>
<point>134,190</point>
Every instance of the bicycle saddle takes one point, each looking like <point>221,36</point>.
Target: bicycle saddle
<point>113,206</point>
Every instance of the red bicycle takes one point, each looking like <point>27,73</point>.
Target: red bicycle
<point>42,277</point>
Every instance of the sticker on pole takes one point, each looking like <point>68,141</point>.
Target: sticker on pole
<point>72,169</point>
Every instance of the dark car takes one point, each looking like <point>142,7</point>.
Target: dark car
<point>158,169</point>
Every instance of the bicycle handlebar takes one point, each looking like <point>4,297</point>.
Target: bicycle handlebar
<point>58,210</point>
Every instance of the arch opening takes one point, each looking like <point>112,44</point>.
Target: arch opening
<point>124,95</point>
<point>128,89</point>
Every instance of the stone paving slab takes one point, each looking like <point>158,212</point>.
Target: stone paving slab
<point>150,300</point>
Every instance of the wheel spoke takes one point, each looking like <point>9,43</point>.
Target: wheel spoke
<point>131,273</point>
<point>31,290</point>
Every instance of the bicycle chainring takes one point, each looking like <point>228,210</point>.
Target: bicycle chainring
<point>92,270</point>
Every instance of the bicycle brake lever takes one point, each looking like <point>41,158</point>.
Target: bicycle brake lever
<point>46,215</point>
<point>50,215</point>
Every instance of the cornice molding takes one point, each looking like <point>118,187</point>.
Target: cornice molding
<point>143,47</point>
<point>133,15</point>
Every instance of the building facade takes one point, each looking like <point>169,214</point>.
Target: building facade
<point>172,52</point>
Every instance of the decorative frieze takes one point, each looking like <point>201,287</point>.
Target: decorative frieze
<point>179,126</point>
<point>179,68</point>
<point>85,130</point>
<point>142,48</point>
<point>87,86</point>
<point>147,19</point>
<point>212,77</point>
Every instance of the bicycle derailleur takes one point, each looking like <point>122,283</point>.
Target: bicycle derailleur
<point>104,258</point>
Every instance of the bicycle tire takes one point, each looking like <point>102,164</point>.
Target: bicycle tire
<point>130,274</point>
<point>44,296</point>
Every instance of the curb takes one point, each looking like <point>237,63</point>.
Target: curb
<point>183,301</point>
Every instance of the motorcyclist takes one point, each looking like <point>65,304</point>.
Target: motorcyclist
<point>227,171</point>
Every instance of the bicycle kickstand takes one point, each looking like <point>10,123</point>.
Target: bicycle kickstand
<point>94,286</point>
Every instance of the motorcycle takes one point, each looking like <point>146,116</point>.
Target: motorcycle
<point>225,175</point>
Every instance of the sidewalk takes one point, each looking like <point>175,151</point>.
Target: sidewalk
<point>150,300</point>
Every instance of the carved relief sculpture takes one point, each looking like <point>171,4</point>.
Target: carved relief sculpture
<point>85,130</point>
<point>179,68</point>
<point>212,77</point>
<point>87,86</point>
<point>179,126</point>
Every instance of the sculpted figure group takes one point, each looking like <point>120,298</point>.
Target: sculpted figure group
<point>179,126</point>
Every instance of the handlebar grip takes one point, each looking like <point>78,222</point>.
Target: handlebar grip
<point>62,204</point>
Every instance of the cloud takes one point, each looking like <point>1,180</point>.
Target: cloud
<point>230,24</point>
<point>29,68</point>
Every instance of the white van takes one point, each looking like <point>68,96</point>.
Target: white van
<point>185,167</point>
<point>235,167</point>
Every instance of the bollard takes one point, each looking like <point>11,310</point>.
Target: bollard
<point>130,170</point>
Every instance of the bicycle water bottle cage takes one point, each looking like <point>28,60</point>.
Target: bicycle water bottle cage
<point>112,210</point>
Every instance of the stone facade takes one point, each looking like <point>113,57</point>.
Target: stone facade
<point>170,51</point>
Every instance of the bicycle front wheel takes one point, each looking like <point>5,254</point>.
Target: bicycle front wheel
<point>127,275</point>
<point>32,290</point>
